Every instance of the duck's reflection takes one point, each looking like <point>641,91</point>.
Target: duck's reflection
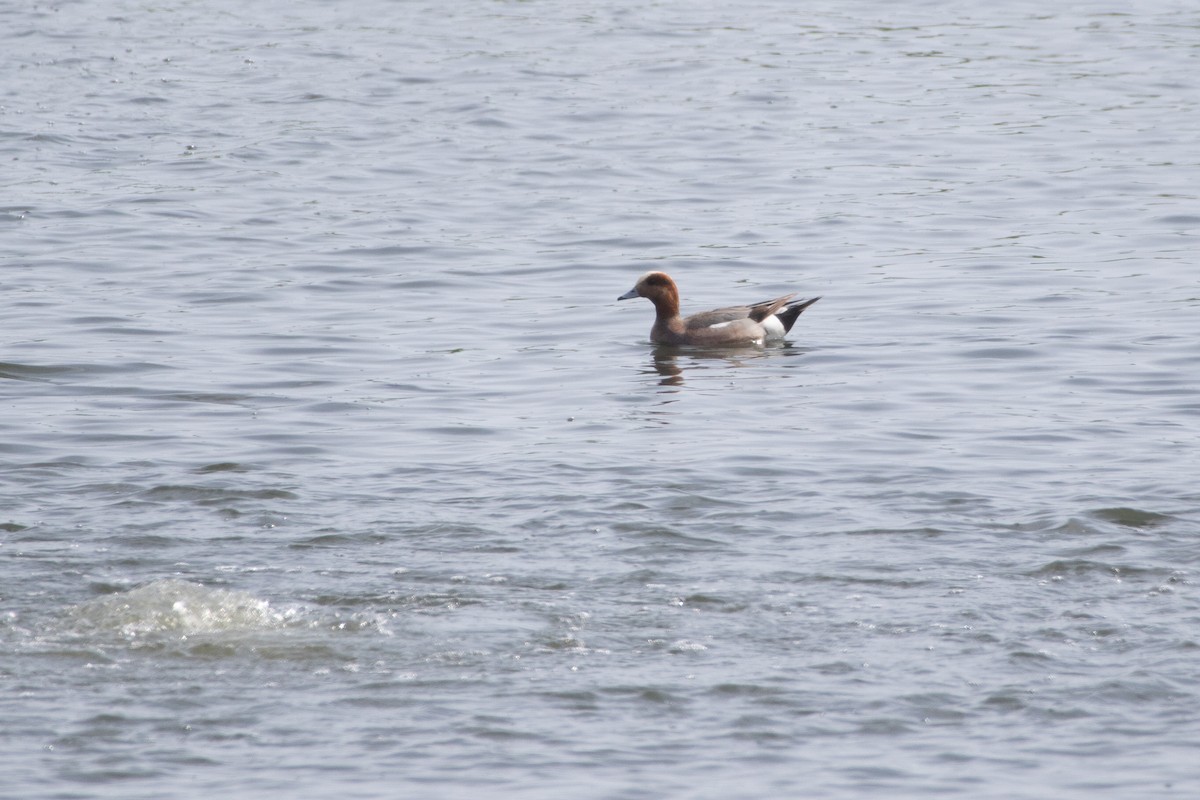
<point>671,362</point>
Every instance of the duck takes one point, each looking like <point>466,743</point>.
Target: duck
<point>736,325</point>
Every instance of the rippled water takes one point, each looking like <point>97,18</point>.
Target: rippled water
<point>331,467</point>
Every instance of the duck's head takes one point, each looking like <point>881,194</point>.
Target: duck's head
<point>656,287</point>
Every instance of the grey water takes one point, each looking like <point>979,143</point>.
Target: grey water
<point>331,467</point>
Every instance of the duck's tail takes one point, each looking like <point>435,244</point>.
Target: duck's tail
<point>787,315</point>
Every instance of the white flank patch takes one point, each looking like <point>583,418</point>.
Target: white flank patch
<point>773,327</point>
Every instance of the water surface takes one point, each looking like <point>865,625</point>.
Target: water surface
<point>331,467</point>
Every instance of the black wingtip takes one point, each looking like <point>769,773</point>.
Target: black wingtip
<point>792,310</point>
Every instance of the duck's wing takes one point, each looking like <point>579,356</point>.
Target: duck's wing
<point>767,308</point>
<point>718,316</point>
<point>757,312</point>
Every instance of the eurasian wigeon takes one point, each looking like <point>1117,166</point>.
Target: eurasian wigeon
<point>736,325</point>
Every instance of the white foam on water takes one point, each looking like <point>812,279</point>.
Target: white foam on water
<point>174,606</point>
